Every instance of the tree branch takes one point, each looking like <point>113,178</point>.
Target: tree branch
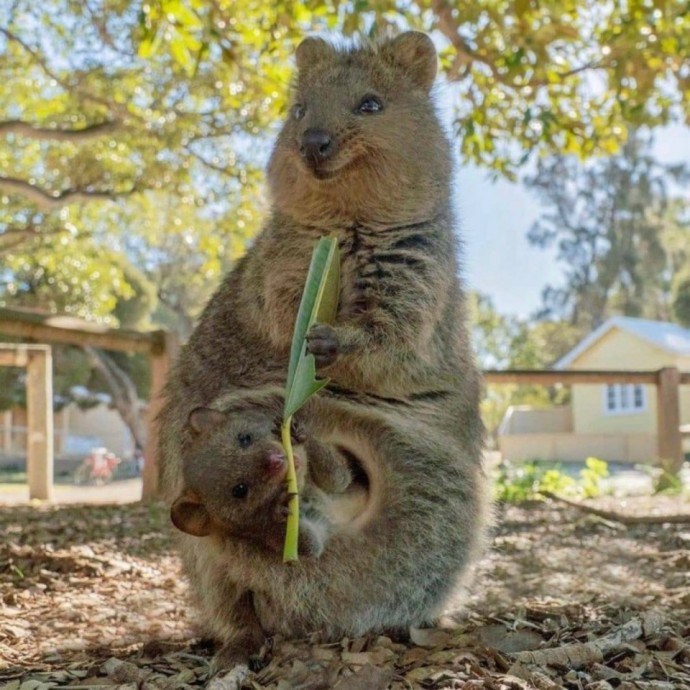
<point>446,24</point>
<point>12,237</point>
<point>123,390</point>
<point>581,654</point>
<point>620,517</point>
<point>47,201</point>
<point>449,26</point>
<point>79,134</point>
<point>70,87</point>
<point>225,169</point>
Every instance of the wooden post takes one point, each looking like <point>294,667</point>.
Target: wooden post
<point>7,432</point>
<point>39,437</point>
<point>668,419</point>
<point>162,355</point>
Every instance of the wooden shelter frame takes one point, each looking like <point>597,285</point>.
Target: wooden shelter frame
<point>160,347</point>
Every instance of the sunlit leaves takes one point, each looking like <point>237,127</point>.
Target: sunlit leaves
<point>197,87</point>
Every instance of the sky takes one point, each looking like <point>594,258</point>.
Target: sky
<point>494,220</point>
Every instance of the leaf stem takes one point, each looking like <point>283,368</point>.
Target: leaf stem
<point>292,530</point>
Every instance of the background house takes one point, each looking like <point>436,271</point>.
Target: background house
<point>615,422</point>
<point>76,432</point>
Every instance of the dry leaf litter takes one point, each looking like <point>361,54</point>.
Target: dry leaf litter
<point>92,597</point>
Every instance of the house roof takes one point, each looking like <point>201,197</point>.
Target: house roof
<point>669,337</point>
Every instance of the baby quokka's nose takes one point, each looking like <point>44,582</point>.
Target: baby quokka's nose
<point>275,462</point>
<point>317,145</point>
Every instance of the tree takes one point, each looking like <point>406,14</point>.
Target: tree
<point>618,237</point>
<point>681,301</point>
<point>562,76</point>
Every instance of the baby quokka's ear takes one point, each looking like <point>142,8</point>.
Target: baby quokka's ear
<point>414,53</point>
<point>189,514</point>
<point>204,419</point>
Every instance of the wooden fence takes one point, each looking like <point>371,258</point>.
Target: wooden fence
<point>161,347</point>
<point>667,381</point>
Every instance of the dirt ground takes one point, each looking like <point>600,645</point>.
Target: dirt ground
<point>121,491</point>
<point>91,596</point>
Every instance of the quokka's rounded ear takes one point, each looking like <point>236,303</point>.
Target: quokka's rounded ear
<point>204,419</point>
<point>415,54</point>
<point>312,50</point>
<point>189,515</point>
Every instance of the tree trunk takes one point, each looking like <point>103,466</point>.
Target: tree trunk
<point>123,391</point>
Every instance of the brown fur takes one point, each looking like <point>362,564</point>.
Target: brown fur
<point>404,392</point>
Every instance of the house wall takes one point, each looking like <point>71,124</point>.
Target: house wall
<point>633,448</point>
<point>98,426</point>
<point>621,350</point>
<point>76,431</point>
<point>524,419</point>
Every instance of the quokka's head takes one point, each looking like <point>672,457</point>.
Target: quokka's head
<point>362,141</point>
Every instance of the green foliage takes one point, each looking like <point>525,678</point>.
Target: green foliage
<point>134,311</point>
<point>667,481</point>
<point>156,114</point>
<point>681,301</point>
<point>590,477</point>
<point>527,481</point>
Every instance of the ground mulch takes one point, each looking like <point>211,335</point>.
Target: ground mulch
<point>91,596</point>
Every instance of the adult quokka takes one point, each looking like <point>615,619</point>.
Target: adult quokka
<point>362,156</point>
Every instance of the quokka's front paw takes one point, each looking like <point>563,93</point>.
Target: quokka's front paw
<point>322,342</point>
<point>298,432</point>
<point>309,544</point>
<point>281,508</point>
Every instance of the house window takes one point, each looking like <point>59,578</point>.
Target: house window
<point>624,398</point>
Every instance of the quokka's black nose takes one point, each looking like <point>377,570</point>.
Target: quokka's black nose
<point>317,145</point>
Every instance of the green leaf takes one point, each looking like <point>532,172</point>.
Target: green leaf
<point>319,302</point>
<point>304,385</point>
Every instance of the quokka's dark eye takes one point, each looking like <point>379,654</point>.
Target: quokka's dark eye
<point>370,104</point>
<point>240,491</point>
<point>245,440</point>
<point>298,111</point>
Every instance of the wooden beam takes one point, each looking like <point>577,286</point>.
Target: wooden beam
<point>39,437</point>
<point>161,360</point>
<point>668,420</point>
<point>569,377</point>
<point>72,331</point>
<point>7,432</point>
<point>16,357</point>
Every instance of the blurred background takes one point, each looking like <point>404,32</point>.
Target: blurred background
<point>133,137</point>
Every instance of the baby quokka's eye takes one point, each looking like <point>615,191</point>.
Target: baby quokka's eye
<point>240,491</point>
<point>369,104</point>
<point>245,440</point>
<point>297,111</point>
